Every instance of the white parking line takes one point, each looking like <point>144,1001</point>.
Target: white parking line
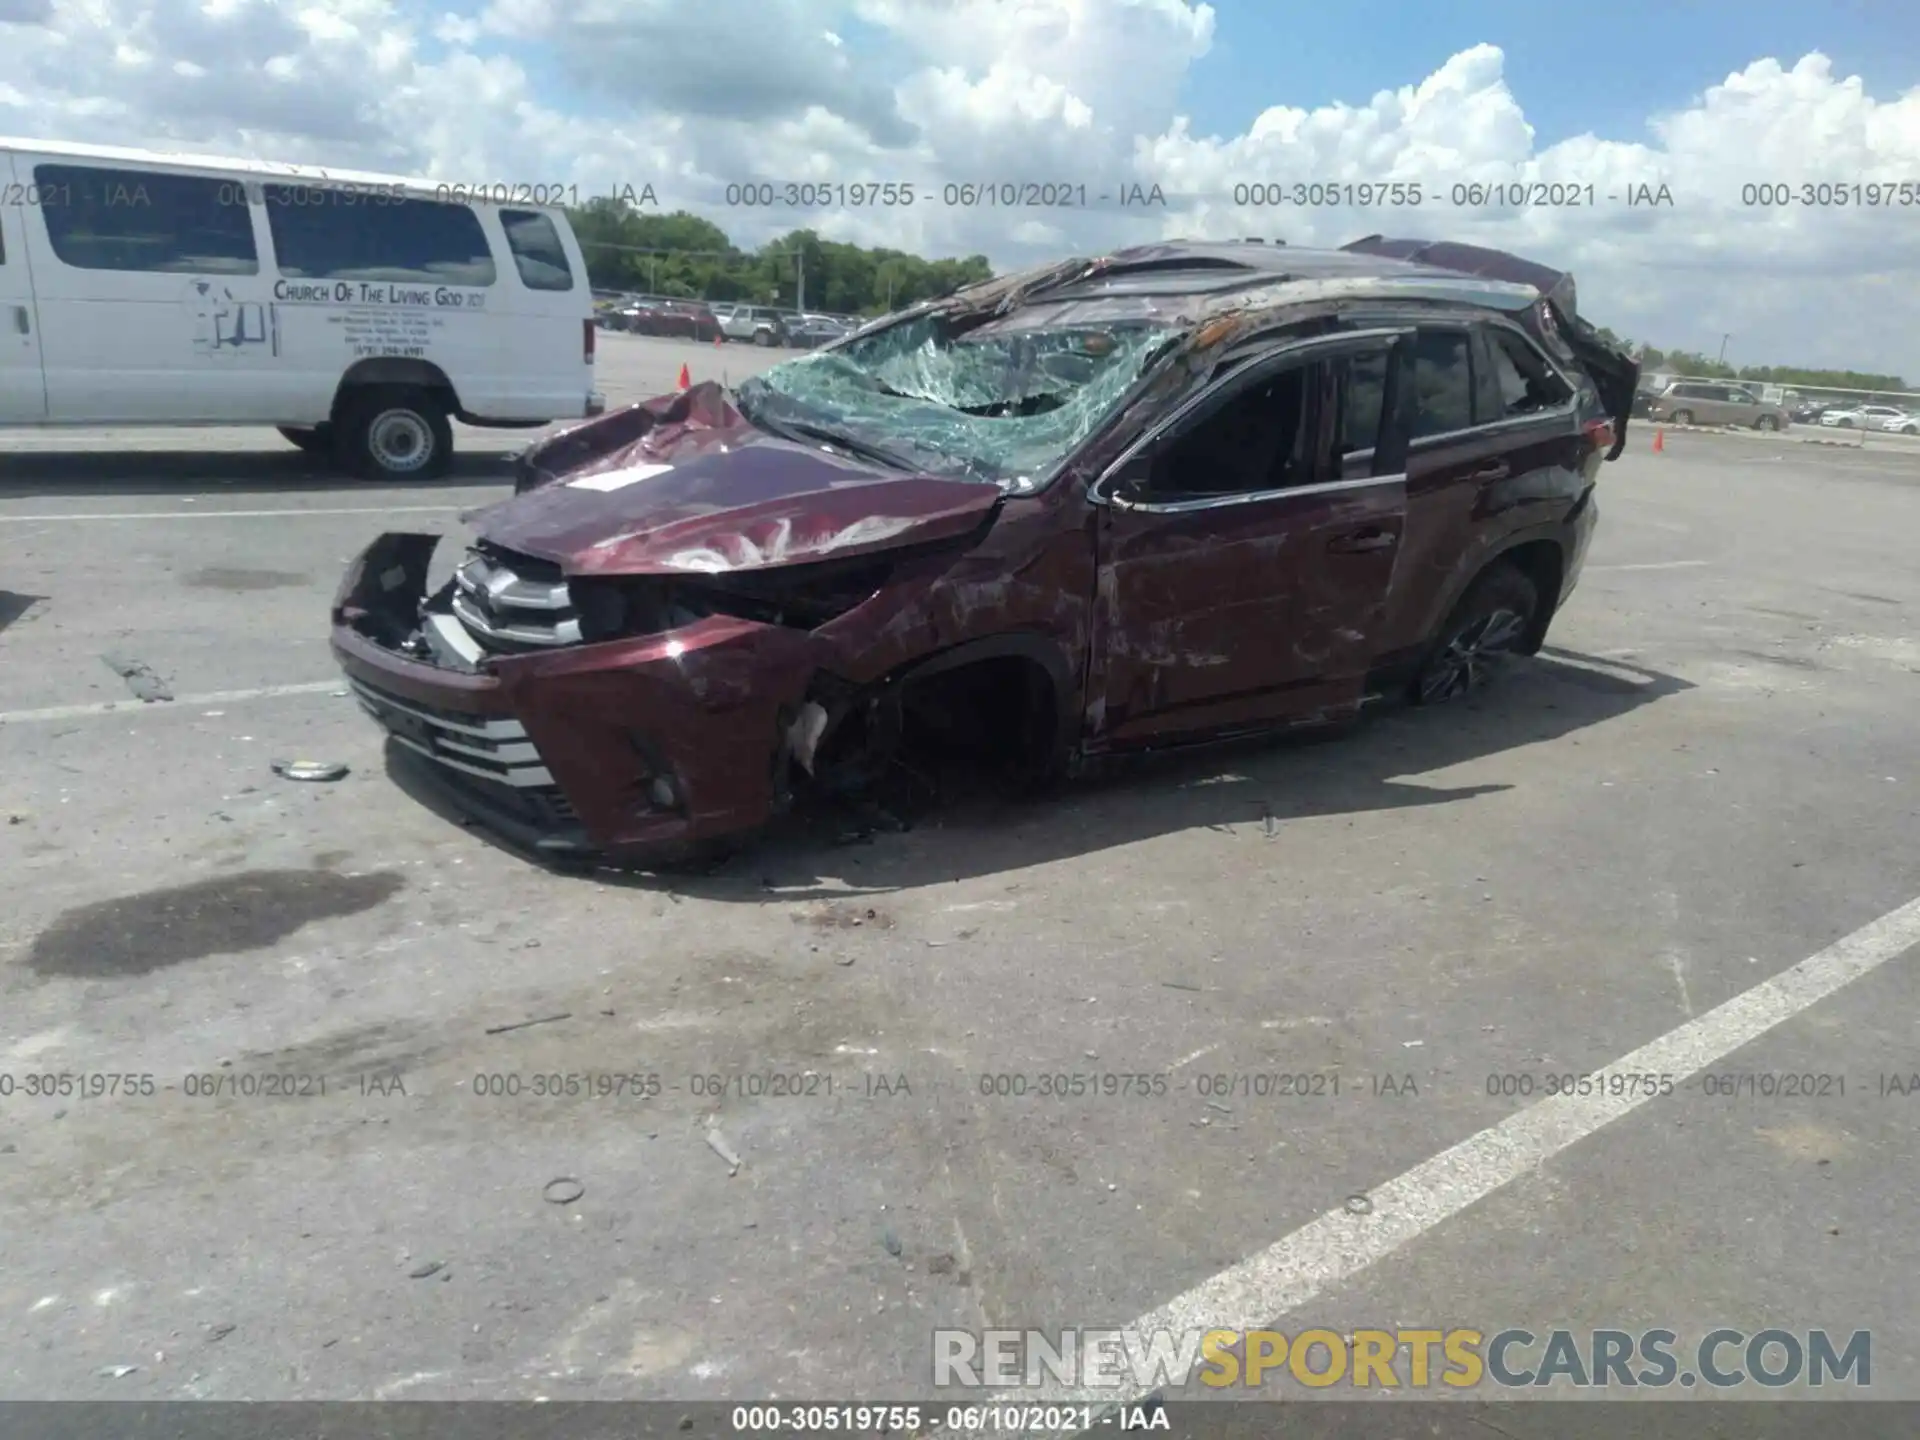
<point>239,514</point>
<point>154,707</point>
<point>1341,1244</point>
<point>1655,565</point>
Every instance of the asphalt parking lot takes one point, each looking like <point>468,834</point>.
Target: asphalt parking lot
<point>1712,775</point>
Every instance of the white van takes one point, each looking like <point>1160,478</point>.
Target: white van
<point>357,313</point>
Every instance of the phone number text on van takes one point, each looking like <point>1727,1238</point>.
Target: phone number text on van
<point>360,292</point>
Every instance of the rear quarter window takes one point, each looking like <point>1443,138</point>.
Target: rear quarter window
<point>320,234</point>
<point>1523,382</point>
<point>534,242</point>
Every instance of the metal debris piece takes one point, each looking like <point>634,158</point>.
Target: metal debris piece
<point>717,1143</point>
<point>220,1331</point>
<point>421,1272</point>
<point>310,769</point>
<point>116,1372</point>
<point>1176,985</point>
<point>891,1242</point>
<point>140,677</point>
<point>563,1190</point>
<point>523,1024</point>
<point>1359,1205</point>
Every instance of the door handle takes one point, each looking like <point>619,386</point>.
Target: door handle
<point>1362,542</point>
<point>1499,470</point>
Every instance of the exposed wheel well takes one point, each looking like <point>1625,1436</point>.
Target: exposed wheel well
<point>1542,563</point>
<point>393,370</point>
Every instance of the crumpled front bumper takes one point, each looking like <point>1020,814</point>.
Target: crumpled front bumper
<point>624,750</point>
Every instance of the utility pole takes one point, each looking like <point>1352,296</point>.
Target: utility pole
<point>800,280</point>
<point>1723,348</point>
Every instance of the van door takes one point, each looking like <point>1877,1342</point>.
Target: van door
<point>153,305</point>
<point>23,387</point>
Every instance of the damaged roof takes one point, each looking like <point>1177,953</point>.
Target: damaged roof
<point>1192,281</point>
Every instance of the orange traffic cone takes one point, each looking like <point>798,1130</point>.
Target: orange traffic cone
<point>685,379</point>
<point>1659,435</point>
<point>718,339</point>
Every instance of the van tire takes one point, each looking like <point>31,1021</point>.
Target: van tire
<point>394,432</point>
<point>313,439</point>
<point>1489,625</point>
<point>1683,417</point>
<point>1766,422</point>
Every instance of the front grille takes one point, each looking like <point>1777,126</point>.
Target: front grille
<point>486,747</point>
<point>514,602</point>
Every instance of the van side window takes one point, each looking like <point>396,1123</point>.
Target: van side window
<point>1442,382</point>
<point>146,221</point>
<point>322,234</point>
<point>1526,382</point>
<point>537,251</point>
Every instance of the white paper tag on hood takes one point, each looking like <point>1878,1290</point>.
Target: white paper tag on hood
<point>618,479</point>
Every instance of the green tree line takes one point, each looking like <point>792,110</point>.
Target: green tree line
<point>1687,362</point>
<point>686,256</point>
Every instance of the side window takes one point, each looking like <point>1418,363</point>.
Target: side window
<point>1745,397</point>
<point>321,234</point>
<point>1442,382</point>
<point>1362,399</point>
<point>146,221</point>
<point>1526,383</point>
<point>537,251</point>
<point>1256,440</point>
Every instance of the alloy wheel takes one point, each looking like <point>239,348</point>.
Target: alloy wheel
<point>1466,661</point>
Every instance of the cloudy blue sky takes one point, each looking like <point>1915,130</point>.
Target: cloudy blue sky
<point>691,95</point>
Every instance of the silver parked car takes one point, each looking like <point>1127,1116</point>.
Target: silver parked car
<point>1873,417</point>
<point>758,324</point>
<point>1701,402</point>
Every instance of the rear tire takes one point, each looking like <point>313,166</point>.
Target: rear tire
<point>1683,417</point>
<point>763,338</point>
<point>313,439</point>
<point>394,433</point>
<point>1766,422</point>
<point>1486,628</point>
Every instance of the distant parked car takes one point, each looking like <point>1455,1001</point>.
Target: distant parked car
<point>685,319</point>
<point>758,324</point>
<point>1697,402</point>
<point>810,332</point>
<point>1873,417</point>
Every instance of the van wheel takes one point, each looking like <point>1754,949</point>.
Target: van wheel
<point>395,433</point>
<point>314,439</point>
<point>1766,422</point>
<point>1486,628</point>
<point>1683,417</point>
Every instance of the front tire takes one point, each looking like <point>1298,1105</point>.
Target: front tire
<point>395,433</point>
<point>1766,422</point>
<point>1487,627</point>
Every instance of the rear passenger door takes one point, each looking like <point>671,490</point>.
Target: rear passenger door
<point>23,390</point>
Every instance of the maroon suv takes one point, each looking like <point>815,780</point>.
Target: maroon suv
<point>1180,492</point>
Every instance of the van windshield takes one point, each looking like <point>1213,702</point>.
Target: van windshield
<point>996,403</point>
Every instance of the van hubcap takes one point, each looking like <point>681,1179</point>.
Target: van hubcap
<point>400,440</point>
<point>1471,654</point>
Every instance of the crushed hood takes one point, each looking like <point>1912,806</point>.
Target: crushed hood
<point>684,485</point>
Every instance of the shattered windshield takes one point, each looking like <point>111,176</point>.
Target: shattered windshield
<point>1002,403</point>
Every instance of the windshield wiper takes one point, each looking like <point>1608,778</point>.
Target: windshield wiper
<point>805,430</point>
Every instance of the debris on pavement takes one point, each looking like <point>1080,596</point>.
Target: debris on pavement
<point>890,1242</point>
<point>220,1331</point>
<point>320,770</point>
<point>1359,1205</point>
<point>431,1267</point>
<point>941,1264</point>
<point>562,1190</point>
<point>524,1024</point>
<point>717,1143</point>
<point>115,1372</point>
<point>140,677</point>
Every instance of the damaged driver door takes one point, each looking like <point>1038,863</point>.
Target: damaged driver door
<point>1244,559</point>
